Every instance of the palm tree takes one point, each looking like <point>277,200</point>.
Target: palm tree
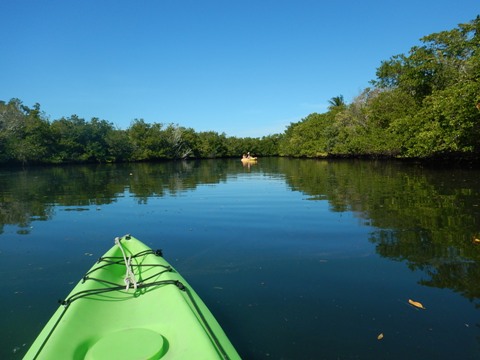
<point>336,102</point>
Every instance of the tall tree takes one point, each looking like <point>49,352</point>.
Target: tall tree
<point>24,132</point>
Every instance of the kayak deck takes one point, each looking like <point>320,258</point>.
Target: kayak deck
<point>132,304</point>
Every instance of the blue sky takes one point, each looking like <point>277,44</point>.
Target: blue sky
<point>242,67</point>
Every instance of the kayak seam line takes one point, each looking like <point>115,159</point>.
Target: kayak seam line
<point>50,333</point>
<point>214,338</point>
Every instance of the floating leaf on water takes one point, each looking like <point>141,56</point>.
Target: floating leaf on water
<point>416,304</point>
<point>380,336</point>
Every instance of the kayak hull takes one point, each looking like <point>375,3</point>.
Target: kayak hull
<point>158,317</point>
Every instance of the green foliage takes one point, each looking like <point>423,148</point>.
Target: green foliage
<point>424,104</point>
<point>308,137</point>
<point>27,137</point>
<point>146,140</point>
<point>268,145</point>
<point>77,140</point>
<point>447,123</point>
<point>96,145</point>
<point>24,133</point>
<point>211,145</point>
<point>119,147</point>
<point>69,140</point>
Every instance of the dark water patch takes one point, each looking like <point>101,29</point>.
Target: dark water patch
<point>308,259</point>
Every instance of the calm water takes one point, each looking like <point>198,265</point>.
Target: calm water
<point>297,259</point>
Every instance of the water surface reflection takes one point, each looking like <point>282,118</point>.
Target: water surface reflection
<point>322,252</point>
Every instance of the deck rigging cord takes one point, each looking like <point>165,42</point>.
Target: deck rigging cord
<point>129,275</point>
<point>140,285</point>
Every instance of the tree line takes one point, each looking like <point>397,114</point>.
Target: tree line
<point>26,136</point>
<point>424,104</point>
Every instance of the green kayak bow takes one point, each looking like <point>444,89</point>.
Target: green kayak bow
<point>132,304</point>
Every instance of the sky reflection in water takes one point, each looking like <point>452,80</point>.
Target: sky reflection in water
<point>297,259</point>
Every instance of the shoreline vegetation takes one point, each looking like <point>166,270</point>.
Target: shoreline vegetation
<point>424,105</point>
